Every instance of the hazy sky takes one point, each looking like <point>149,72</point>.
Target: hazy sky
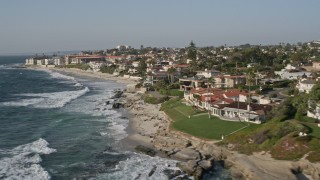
<point>57,25</point>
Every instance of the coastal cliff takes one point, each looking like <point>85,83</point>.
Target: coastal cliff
<point>152,128</point>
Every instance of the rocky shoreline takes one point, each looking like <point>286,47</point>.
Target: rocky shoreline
<point>150,128</point>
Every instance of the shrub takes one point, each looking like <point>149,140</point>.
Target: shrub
<point>108,69</point>
<point>153,100</point>
<point>150,100</point>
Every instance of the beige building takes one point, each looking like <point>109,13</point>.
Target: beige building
<point>316,65</point>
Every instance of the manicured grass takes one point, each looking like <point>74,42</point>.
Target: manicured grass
<point>187,110</point>
<point>200,126</point>
<point>203,127</point>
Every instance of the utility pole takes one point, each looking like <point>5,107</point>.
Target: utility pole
<point>208,106</point>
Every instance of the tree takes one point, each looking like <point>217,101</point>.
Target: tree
<point>210,82</point>
<point>171,72</point>
<point>142,67</point>
<point>192,51</point>
<point>161,84</point>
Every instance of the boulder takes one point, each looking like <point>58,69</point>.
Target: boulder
<point>187,154</point>
<point>206,164</point>
<point>116,105</point>
<point>118,94</point>
<point>145,150</point>
<point>189,167</point>
<point>198,173</point>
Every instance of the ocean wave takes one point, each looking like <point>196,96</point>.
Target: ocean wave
<point>48,100</point>
<point>57,75</point>
<point>139,166</point>
<point>23,161</point>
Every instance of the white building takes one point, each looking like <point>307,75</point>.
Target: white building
<point>48,61</point>
<point>40,62</point>
<point>208,73</point>
<point>305,85</point>
<point>284,74</point>
<point>290,67</point>
<point>31,61</point>
<point>58,61</point>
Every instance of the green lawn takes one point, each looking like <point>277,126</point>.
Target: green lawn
<point>199,126</point>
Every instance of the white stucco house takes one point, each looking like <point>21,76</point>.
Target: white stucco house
<point>305,85</point>
<point>284,74</point>
<point>208,73</point>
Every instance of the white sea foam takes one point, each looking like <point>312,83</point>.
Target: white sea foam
<point>58,75</point>
<point>23,161</point>
<point>23,102</point>
<point>48,100</point>
<point>78,85</point>
<point>138,166</point>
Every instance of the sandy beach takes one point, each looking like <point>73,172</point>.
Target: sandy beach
<point>150,127</point>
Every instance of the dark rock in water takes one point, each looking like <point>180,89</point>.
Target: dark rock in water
<point>117,95</point>
<point>111,163</point>
<point>137,177</point>
<point>188,167</point>
<point>198,173</point>
<point>177,173</point>
<point>206,164</point>
<point>108,102</point>
<point>152,171</point>
<point>145,150</point>
<point>191,168</point>
<point>116,105</point>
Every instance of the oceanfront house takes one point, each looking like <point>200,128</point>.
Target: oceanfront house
<point>31,61</point>
<point>153,77</point>
<point>241,111</point>
<point>305,85</point>
<point>39,60</point>
<point>82,59</point>
<point>58,61</point>
<point>220,103</point>
<point>186,84</point>
<point>96,65</point>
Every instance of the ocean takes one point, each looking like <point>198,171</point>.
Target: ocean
<point>56,126</point>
